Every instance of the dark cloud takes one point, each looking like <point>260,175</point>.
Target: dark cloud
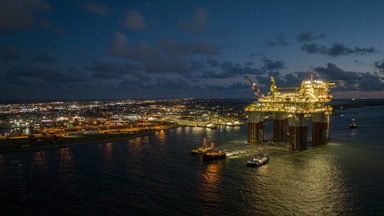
<point>239,69</point>
<point>119,46</point>
<point>134,20</point>
<point>214,63</point>
<point>308,36</point>
<point>40,79</point>
<point>96,8</point>
<point>350,81</point>
<point>36,4</point>
<point>49,25</point>
<point>165,56</point>
<point>20,14</point>
<point>313,48</point>
<point>172,84</point>
<point>104,70</point>
<point>171,47</point>
<point>223,33</point>
<point>197,23</point>
<point>270,65</point>
<point>355,81</point>
<point>336,49</point>
<point>380,65</point>
<point>278,40</point>
<point>43,58</point>
<point>234,87</point>
<point>295,79</point>
<point>52,83</point>
<point>229,70</point>
<point>114,70</point>
<point>10,53</point>
<point>51,75</point>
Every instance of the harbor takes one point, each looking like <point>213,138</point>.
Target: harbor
<point>122,176</point>
<point>62,140</point>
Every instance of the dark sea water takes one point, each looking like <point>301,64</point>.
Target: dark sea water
<point>156,175</point>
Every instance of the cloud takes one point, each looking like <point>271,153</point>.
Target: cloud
<point>197,23</point>
<point>270,65</point>
<point>214,63</point>
<point>55,83</point>
<point>350,80</point>
<point>355,81</point>
<point>164,56</point>
<point>20,14</point>
<point>119,46</point>
<point>10,53</point>
<point>96,8</point>
<point>278,40</point>
<point>37,4</point>
<point>114,70</point>
<point>41,78</point>
<point>104,70</point>
<point>336,49</point>
<point>172,47</point>
<point>193,59</point>
<point>49,25</point>
<point>172,84</point>
<point>51,75</point>
<point>308,36</point>
<point>43,58</point>
<point>380,65</point>
<point>134,20</point>
<point>216,70</point>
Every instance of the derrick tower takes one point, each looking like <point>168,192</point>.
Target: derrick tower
<point>291,108</point>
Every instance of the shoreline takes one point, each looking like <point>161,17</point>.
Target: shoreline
<point>47,142</point>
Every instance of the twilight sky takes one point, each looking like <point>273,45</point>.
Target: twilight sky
<point>95,49</point>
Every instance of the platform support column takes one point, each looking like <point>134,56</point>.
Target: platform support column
<point>298,132</point>
<point>255,129</point>
<point>320,128</point>
<point>280,126</point>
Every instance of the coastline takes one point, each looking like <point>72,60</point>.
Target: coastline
<point>26,143</point>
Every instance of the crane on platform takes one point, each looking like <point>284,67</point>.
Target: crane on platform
<point>273,85</point>
<point>254,88</point>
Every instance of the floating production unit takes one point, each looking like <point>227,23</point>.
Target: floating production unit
<point>291,108</point>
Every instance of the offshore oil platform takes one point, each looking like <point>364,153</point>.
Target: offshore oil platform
<point>291,108</point>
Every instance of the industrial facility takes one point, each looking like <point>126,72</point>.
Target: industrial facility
<point>291,108</point>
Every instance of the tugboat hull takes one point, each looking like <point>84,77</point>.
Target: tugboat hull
<point>214,156</point>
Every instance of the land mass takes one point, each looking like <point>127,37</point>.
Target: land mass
<point>59,139</point>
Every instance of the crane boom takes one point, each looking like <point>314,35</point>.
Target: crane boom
<point>254,88</point>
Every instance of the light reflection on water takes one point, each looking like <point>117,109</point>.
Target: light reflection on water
<point>40,164</point>
<point>209,180</point>
<point>311,180</point>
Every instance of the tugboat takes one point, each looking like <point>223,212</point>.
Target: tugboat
<point>202,149</point>
<point>353,124</point>
<point>213,154</point>
<point>259,159</point>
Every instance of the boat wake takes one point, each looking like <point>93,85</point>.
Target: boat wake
<point>234,153</point>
